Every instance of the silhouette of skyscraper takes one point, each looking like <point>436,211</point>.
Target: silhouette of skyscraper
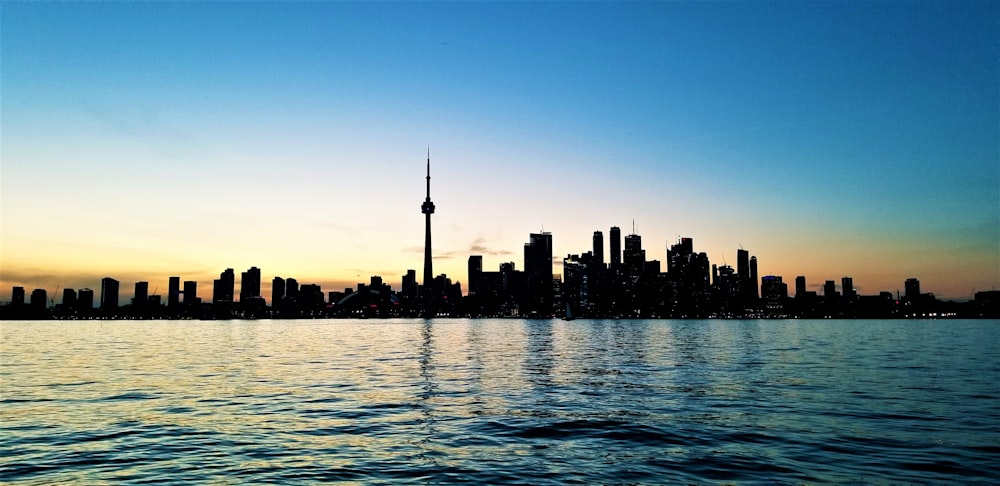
<point>538,272</point>
<point>277,291</point>
<point>912,287</point>
<point>475,273</point>
<point>69,298</point>
<point>427,208</point>
<point>743,264</point>
<point>173,291</point>
<point>224,286</point>
<point>847,287</point>
<point>830,290</point>
<point>615,247</point>
<point>754,293</point>
<point>634,256</point>
<point>249,284</point>
<point>39,297</point>
<point>17,296</point>
<point>598,247</point>
<point>85,300</point>
<point>109,293</point>
<point>141,297</point>
<point>800,286</point>
<point>190,292</point>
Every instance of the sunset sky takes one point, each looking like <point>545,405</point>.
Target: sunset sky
<point>140,140</point>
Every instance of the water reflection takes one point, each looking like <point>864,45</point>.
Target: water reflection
<point>498,401</point>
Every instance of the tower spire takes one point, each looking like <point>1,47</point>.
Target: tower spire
<point>428,209</point>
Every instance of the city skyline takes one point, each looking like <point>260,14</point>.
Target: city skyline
<point>180,139</point>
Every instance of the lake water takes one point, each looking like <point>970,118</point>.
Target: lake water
<point>499,401</point>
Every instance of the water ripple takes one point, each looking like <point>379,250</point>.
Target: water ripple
<point>499,402</point>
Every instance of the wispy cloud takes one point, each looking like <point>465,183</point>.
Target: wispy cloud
<point>477,247</point>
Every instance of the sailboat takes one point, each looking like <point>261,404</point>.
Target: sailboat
<point>569,313</point>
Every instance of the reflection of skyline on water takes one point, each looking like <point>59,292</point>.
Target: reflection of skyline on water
<point>501,401</point>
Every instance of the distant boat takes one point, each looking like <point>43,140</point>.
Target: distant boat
<point>569,313</point>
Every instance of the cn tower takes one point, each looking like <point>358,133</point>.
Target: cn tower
<point>428,209</point>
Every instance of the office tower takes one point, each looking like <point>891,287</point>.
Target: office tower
<point>249,284</point>
<point>743,264</point>
<point>753,292</point>
<point>635,256</point>
<point>69,298</point>
<point>291,288</point>
<point>847,287</point>
<point>109,293</point>
<point>17,296</point>
<point>224,286</point>
<point>173,291</point>
<point>538,272</point>
<point>277,291</point>
<point>912,287</point>
<point>773,289</point>
<point>598,248</point>
<point>615,246</point>
<point>830,290</point>
<point>475,273</point>
<point>538,255</point>
<point>773,292</point>
<point>427,208</point>
<point>85,299</point>
<point>410,287</point>
<point>688,273</point>
<point>800,286</point>
<point>141,296</point>
<point>190,292</point>
<point>38,299</point>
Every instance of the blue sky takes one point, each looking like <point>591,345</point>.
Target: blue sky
<point>141,140</point>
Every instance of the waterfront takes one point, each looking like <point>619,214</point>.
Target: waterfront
<point>499,401</point>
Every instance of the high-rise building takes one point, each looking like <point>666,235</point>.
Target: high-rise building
<point>109,293</point>
<point>475,273</point>
<point>800,286</point>
<point>538,272</point>
<point>634,256</point>
<point>291,288</point>
<point>773,292</point>
<point>173,291</point>
<point>753,292</point>
<point>538,255</point>
<point>69,298</point>
<point>912,286</point>
<point>39,299</point>
<point>598,248</point>
<point>190,292</point>
<point>141,296</point>
<point>277,291</point>
<point>85,300</point>
<point>743,264</point>
<point>847,287</point>
<point>17,296</point>
<point>250,284</point>
<point>830,290</point>
<point>427,208</point>
<point>615,246</point>
<point>224,287</point>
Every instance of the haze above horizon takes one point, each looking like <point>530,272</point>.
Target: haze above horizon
<point>143,140</point>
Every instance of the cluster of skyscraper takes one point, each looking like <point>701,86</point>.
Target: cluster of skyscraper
<point>626,285</point>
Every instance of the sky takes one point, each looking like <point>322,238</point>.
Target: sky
<point>140,140</point>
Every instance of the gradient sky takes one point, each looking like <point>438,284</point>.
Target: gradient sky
<point>144,139</point>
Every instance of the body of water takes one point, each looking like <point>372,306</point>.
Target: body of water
<point>499,401</point>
